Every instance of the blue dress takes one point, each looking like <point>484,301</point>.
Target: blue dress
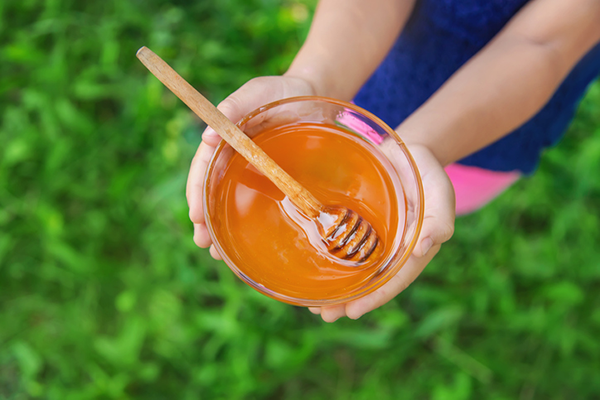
<point>439,37</point>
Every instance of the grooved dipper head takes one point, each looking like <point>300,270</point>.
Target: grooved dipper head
<point>347,235</point>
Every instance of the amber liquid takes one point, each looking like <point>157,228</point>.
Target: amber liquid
<point>276,246</point>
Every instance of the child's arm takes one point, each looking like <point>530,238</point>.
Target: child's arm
<point>503,86</point>
<point>348,39</point>
<point>508,81</point>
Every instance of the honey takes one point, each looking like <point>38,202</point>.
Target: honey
<point>277,247</point>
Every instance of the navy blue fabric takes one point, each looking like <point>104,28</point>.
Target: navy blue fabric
<point>439,37</point>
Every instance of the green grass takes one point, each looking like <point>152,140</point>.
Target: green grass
<point>103,294</point>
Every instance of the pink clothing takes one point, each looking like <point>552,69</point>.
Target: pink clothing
<point>475,187</point>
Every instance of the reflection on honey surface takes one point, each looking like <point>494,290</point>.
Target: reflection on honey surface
<point>276,246</point>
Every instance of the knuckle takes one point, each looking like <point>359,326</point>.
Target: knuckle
<point>229,105</point>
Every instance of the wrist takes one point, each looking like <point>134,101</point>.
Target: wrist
<point>414,139</point>
<point>310,76</point>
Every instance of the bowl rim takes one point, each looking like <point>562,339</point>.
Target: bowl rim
<point>369,287</point>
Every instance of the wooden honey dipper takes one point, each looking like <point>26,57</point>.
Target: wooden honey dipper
<point>345,233</point>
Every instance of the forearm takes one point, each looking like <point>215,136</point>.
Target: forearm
<point>348,39</point>
<point>488,98</point>
<point>507,82</point>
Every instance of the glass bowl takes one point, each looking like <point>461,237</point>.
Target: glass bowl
<point>360,124</point>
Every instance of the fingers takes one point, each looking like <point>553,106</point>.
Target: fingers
<point>409,272</point>
<point>214,253</point>
<point>210,137</point>
<point>201,236</point>
<point>359,307</point>
<point>333,313</point>
<point>195,181</point>
<point>438,219</point>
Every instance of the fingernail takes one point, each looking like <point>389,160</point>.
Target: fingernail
<point>426,245</point>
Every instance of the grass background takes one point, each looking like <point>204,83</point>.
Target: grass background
<point>103,294</point>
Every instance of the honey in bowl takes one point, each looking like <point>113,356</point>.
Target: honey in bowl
<point>272,246</point>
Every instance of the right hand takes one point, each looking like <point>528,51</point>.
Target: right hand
<point>253,94</point>
<point>437,228</point>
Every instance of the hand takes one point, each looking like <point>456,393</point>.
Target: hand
<point>438,227</point>
<point>250,96</point>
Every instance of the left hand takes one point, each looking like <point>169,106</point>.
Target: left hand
<point>438,227</point>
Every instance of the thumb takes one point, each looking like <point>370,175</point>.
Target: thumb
<point>254,94</point>
<point>435,231</point>
<point>250,96</point>
<point>439,214</point>
<point>233,108</point>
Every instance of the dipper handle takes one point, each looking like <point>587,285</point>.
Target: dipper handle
<point>214,118</point>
